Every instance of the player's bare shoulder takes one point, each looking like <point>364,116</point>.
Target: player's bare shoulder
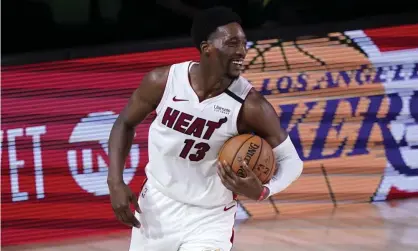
<point>158,76</point>
<point>255,111</point>
<point>255,102</point>
<point>259,116</point>
<point>156,79</point>
<point>146,97</point>
<point>152,86</point>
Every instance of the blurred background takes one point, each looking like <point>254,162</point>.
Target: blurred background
<point>64,23</point>
<point>341,75</point>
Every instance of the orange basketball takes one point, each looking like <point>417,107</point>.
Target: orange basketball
<point>254,150</point>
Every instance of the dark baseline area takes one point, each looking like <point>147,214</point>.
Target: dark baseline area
<point>286,33</point>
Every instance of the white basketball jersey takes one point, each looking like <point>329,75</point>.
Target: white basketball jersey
<point>186,136</point>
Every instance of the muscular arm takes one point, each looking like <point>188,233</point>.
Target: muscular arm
<point>258,116</point>
<point>143,101</point>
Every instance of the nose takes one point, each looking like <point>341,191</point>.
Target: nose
<point>242,50</point>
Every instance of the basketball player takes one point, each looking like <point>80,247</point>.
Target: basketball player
<point>187,201</point>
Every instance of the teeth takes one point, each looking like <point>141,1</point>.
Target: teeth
<point>239,62</point>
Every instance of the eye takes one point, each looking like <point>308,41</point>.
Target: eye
<point>232,43</point>
<point>236,43</point>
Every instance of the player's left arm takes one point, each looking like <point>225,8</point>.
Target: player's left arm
<point>258,116</point>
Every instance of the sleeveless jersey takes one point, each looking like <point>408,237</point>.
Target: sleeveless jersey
<point>185,138</point>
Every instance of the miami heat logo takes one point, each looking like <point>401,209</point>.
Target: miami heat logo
<point>191,125</point>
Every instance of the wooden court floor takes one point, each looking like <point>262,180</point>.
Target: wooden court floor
<point>386,226</point>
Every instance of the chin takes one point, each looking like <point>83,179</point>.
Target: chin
<point>233,75</point>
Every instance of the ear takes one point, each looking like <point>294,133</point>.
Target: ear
<point>205,47</point>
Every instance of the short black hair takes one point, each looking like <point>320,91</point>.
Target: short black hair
<point>207,21</point>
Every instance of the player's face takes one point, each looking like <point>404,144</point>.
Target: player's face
<point>231,48</point>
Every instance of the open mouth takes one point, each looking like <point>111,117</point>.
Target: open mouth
<point>238,62</point>
<point>238,65</point>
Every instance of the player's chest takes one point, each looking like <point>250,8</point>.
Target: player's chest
<point>210,121</point>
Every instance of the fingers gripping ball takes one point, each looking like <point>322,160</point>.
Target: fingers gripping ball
<point>252,149</point>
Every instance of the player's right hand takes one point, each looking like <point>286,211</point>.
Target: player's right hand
<point>121,198</point>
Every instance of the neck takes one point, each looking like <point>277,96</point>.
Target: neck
<point>210,77</point>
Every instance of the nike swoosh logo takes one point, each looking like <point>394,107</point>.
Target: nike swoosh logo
<point>227,208</point>
<point>177,100</point>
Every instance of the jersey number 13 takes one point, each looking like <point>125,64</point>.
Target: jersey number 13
<point>198,152</point>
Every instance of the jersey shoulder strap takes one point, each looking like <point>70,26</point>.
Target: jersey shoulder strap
<point>239,89</point>
<point>176,71</point>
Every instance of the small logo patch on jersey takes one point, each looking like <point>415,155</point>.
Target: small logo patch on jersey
<point>231,205</point>
<point>178,100</point>
<point>227,208</point>
<point>220,109</point>
<point>144,192</point>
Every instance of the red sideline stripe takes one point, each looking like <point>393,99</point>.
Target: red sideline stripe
<point>394,38</point>
<point>233,231</point>
<point>152,58</point>
<point>143,184</point>
<point>396,193</point>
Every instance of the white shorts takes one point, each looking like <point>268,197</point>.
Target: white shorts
<point>169,225</point>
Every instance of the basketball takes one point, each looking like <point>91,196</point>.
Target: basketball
<point>252,149</point>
